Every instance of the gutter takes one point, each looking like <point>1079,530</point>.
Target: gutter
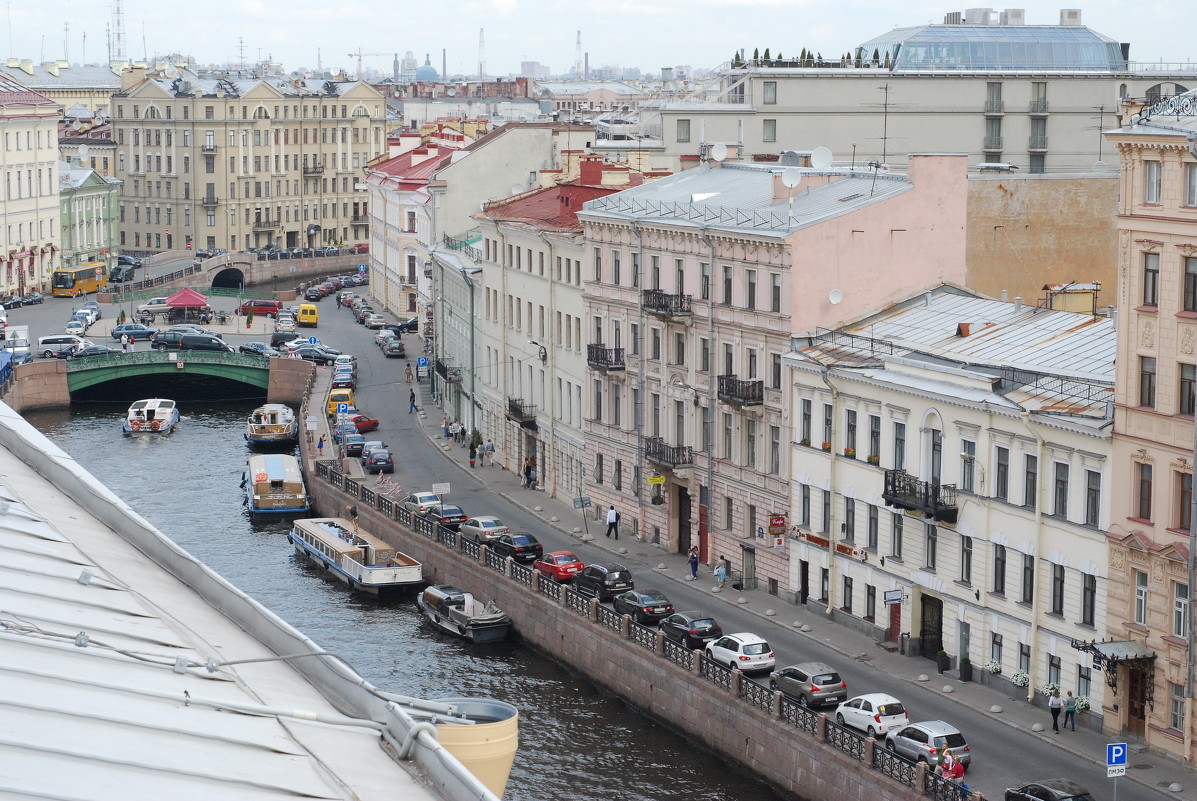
<point>825,374</point>
<point>1037,594</point>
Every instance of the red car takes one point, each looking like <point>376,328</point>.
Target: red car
<point>559,565</point>
<point>360,248</point>
<point>364,423</point>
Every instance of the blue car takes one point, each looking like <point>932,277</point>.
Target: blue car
<point>143,333</point>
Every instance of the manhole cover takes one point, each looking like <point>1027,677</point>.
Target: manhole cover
<point>1142,766</point>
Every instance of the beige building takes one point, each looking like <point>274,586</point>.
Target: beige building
<point>29,206</point>
<point>238,164</point>
<point>88,85</point>
<point>1150,617</point>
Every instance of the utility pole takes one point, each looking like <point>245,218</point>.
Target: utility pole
<point>118,31</point>
<point>481,55</point>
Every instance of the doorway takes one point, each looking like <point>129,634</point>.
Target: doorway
<point>931,630</point>
<point>748,573</point>
<point>1136,698</point>
<point>683,520</point>
<point>895,622</point>
<point>803,582</point>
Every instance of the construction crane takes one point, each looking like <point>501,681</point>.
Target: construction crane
<point>359,55</point>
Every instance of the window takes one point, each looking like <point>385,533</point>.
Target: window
<point>827,423</point>
<point>1088,599</point>
<point>775,450</point>
<point>1001,481</point>
<point>775,293</point>
<point>849,528</point>
<point>804,506</point>
<point>749,520</point>
<point>1190,287</point>
<point>899,446</point>
<point>874,526</point>
<point>705,280</point>
<point>1176,706</point>
<point>995,647</point>
<point>704,351</point>
<point>768,93</point>
<point>750,443</point>
<point>1180,609</point>
<point>728,512</point>
<point>679,348</point>
<point>750,289</point>
<point>1184,500</point>
<point>1030,481</point>
<point>897,521</point>
<point>968,465</point>
<point>775,372</point>
<point>616,267</point>
<point>598,262</point>
<point>598,468</point>
<point>999,569</point>
<point>683,131</point>
<point>617,475</point>
<point>826,504</point>
<point>654,340</point>
<point>1024,657</point>
<point>870,602</point>
<point>1084,681</point>
<point>1028,578</point>
<point>850,432</point>
<point>966,560</point>
<point>1143,499</point>
<point>1053,669</point>
<point>769,130</point>
<point>931,544</point>
<point>806,420</point>
<point>727,285</point>
<point>847,595</point>
<point>1057,589</point>
<point>874,437</point>
<point>727,435</point>
<point>1151,182</point>
<point>1140,597</point>
<point>1188,385</point>
<point>1147,381</point>
<point>1092,498</point>
<point>1151,279</point>
<point>1060,490</point>
<point>1191,184</point>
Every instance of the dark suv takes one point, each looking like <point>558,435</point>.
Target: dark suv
<point>604,581</point>
<point>204,342</point>
<point>521,547</point>
<point>165,340</point>
<point>692,629</point>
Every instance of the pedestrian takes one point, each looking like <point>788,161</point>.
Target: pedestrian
<point>1055,704</point>
<point>721,572</point>
<point>409,372</point>
<point>488,453</point>
<point>1070,711</point>
<point>693,563</point>
<point>352,510</point>
<point>445,425</point>
<point>411,402</point>
<point>613,522</point>
<point>320,447</point>
<point>132,343</point>
<point>338,301</point>
<point>527,472</point>
<point>125,342</point>
<point>473,453</point>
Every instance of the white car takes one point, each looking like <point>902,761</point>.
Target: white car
<point>375,321</point>
<point>284,325</point>
<point>75,327</point>
<point>483,529</point>
<point>874,713</point>
<point>418,502</point>
<point>345,360</point>
<point>745,651</point>
<point>383,337</point>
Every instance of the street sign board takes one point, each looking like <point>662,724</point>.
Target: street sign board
<point>311,423</point>
<point>343,408</point>
<point>893,597</point>
<point>441,489</point>
<point>583,503</point>
<point>1114,771</point>
<point>361,268</point>
<point>1115,754</point>
<point>656,479</point>
<point>312,340</point>
<point>99,271</point>
<point>421,361</point>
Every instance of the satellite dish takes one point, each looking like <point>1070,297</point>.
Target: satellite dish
<point>451,93</point>
<point>820,158</point>
<point>171,71</point>
<point>516,189</point>
<point>84,150</point>
<point>791,177</point>
<point>790,158</point>
<point>1100,166</point>
<point>834,297</point>
<point>718,152</point>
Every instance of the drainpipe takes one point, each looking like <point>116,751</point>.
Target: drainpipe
<point>473,371</point>
<point>1192,634</point>
<point>825,374</point>
<point>1036,598</point>
<point>551,489</point>
<point>711,380</point>
<point>638,415</point>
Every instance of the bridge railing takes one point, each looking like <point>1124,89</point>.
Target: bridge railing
<point>165,357</point>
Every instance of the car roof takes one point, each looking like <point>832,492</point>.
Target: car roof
<point>426,494</point>
<point>746,637</point>
<point>814,667</point>
<point>1063,786</point>
<point>937,726</point>
<point>610,567</point>
<point>883,698</point>
<point>487,517</point>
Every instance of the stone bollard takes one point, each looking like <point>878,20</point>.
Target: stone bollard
<point>594,607</point>
<point>733,686</point>
<point>697,662</point>
<point>660,643</point>
<point>560,597</point>
<point>870,752</point>
<point>625,627</point>
<point>775,704</point>
<point>821,729</point>
<point>507,566</point>
<point>920,774</point>
<point>482,549</point>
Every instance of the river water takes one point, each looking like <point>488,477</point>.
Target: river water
<point>576,742</point>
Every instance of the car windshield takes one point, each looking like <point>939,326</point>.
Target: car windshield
<point>950,741</point>
<point>616,577</point>
<point>518,540</point>
<point>704,624</point>
<point>564,558</point>
<point>491,523</point>
<point>891,708</point>
<point>755,648</point>
<point>451,511</point>
<point>826,678</point>
<point>655,598</point>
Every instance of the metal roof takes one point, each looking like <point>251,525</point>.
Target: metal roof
<point>997,47</point>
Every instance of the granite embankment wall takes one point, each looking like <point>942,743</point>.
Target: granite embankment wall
<point>40,384</point>
<point>796,751</point>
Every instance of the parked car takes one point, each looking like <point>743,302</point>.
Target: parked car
<point>143,332</point>
<point>559,565</point>
<point>344,381</point>
<point>284,324</point>
<point>374,321</point>
<point>370,446</point>
<point>260,308</point>
<point>410,326</point>
<point>345,359</point>
<point>746,651</point>
<point>874,713</point>
<point>314,354</point>
<point>521,546</point>
<point>360,247</point>
<point>53,346</point>
<point>810,684</point>
<point>363,313</point>
<point>483,529</point>
<point>448,515</point>
<point>128,260</point>
<point>32,298</point>
<point>380,462</point>
<point>279,338</point>
<point>257,349</point>
<point>363,423</point>
<point>418,502</point>
<point>645,606</point>
<point>165,340</point>
<point>313,294</point>
<point>353,444</point>
<point>1049,790</point>
<point>383,336</point>
<point>926,741</point>
<point>691,629</point>
<point>394,349</point>
<point>83,351</point>
<point>13,301</point>
<point>604,580</point>
<point>75,326</point>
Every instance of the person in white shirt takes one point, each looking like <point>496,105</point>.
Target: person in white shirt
<point>613,523</point>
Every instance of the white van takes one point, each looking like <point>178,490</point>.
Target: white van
<point>52,347</point>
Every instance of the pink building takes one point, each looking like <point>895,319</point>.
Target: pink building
<point>702,278</point>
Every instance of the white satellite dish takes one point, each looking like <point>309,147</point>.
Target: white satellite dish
<point>516,189</point>
<point>834,297</point>
<point>76,125</point>
<point>84,150</point>
<point>171,71</point>
<point>791,177</point>
<point>718,152</point>
<point>451,93</point>
<point>820,158</point>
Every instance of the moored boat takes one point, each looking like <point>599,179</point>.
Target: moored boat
<point>274,485</point>
<point>359,559</point>
<point>459,612</point>
<point>272,424</point>
<point>151,416</point>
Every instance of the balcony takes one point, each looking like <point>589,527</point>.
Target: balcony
<point>993,143</point>
<point>313,171</point>
<point>209,201</point>
<point>1038,107</point>
<point>670,456</point>
<point>208,147</point>
<point>462,245</point>
<point>1037,142</point>
<point>450,375</point>
<point>359,219</point>
<point>266,224</point>
<point>663,304</point>
<point>741,393</point>
<point>522,413</point>
<point>936,501</point>
<point>994,108</point>
<point>603,358</point>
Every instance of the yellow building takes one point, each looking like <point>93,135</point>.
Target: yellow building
<point>87,85</point>
<point>238,164</point>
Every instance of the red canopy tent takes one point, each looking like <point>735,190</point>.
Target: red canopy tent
<point>187,299</point>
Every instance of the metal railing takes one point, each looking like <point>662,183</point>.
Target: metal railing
<point>643,636</point>
<point>655,450</point>
<point>266,224</point>
<point>847,741</point>
<point>741,393</point>
<point>942,789</point>
<point>799,716</point>
<point>521,573</point>
<point>550,589</point>
<point>469,547</point>
<point>656,301</point>
<point>894,765</point>
<point>610,619</point>
<point>462,245</point>
<point>314,170</point>
<point>905,491</point>
<point>1037,142</point>
<point>604,358</point>
<point>520,412</point>
<point>1038,106</point>
<point>993,143</point>
<point>577,602</point>
<point>679,655</point>
<point>715,673</point>
<point>162,357</point>
<point>756,694</point>
<point>995,107</point>
<point>209,200</point>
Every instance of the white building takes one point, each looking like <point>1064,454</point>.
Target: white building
<point>954,450</point>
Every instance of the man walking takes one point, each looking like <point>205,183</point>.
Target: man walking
<point>125,342</point>
<point>488,453</point>
<point>411,401</point>
<point>613,522</point>
<point>409,372</point>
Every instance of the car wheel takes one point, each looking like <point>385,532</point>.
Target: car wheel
<point>772,684</point>
<point>48,354</point>
<point>802,701</point>
<point>872,732</point>
<point>889,746</point>
<point>839,718</point>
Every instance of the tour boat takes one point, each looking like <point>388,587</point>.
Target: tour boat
<point>274,485</point>
<point>272,424</point>
<point>151,416</point>
<point>361,560</point>
<point>459,612</point>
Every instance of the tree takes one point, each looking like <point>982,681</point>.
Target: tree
<point>766,57</point>
<point>887,59</point>
<point>819,57</point>
<point>859,59</point>
<point>876,57</point>
<point>756,55</point>
<point>736,59</point>
<point>802,58</point>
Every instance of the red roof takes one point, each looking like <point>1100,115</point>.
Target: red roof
<point>414,176</point>
<point>186,298</point>
<point>13,93</point>
<point>555,207</point>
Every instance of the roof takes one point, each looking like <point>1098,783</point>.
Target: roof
<point>14,93</point>
<point>1168,116</point>
<point>586,87</point>
<point>186,298</point>
<point>42,76</point>
<point>997,47</point>
<point>189,84</point>
<point>554,208</point>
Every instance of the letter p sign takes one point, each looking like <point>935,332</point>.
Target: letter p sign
<point>1116,754</point>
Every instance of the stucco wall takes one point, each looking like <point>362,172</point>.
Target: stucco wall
<point>1025,231</point>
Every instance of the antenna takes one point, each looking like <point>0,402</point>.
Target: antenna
<point>66,42</point>
<point>578,56</point>
<point>718,151</point>
<point>481,55</point>
<point>118,31</point>
<point>790,178</point>
<point>884,121</point>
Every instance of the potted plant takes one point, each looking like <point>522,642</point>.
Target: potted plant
<point>993,666</point>
<point>966,669</point>
<point>1020,679</point>
<point>804,441</point>
<point>249,318</point>
<point>874,459</point>
<point>827,446</point>
<point>942,660</point>
<point>850,453</point>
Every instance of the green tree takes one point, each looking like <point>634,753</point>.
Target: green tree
<point>887,59</point>
<point>756,55</point>
<point>766,58</point>
<point>859,59</point>
<point>736,59</point>
<point>876,57</point>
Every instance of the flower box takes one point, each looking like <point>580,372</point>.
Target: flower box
<point>827,446</point>
<point>850,453</point>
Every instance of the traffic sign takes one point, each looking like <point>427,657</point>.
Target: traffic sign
<point>656,479</point>
<point>440,489</point>
<point>99,271</point>
<point>1114,771</point>
<point>1115,754</point>
<point>342,408</point>
<point>312,340</point>
<point>361,268</point>
<point>422,361</point>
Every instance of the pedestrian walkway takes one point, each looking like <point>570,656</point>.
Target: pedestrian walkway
<point>1145,768</point>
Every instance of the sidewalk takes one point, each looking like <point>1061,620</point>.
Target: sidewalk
<point>1148,769</point>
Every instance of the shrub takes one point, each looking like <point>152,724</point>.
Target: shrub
<point>1020,679</point>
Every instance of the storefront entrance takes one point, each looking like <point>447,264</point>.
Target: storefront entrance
<point>931,629</point>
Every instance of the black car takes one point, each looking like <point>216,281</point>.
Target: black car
<point>344,381</point>
<point>410,326</point>
<point>257,349</point>
<point>128,261</point>
<point>604,581</point>
<point>314,294</point>
<point>645,606</point>
<point>353,445</point>
<point>394,349</point>
<point>1049,790</point>
<point>522,547</point>
<point>280,338</point>
<point>314,354</point>
<point>447,514</point>
<point>381,461</point>
<point>32,298</point>
<point>13,301</point>
<point>165,340</point>
<point>691,629</point>
<point>362,312</point>
<point>83,351</point>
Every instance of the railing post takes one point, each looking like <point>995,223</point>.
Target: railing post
<point>697,662</point>
<point>870,753</point>
<point>594,607</point>
<point>660,649</point>
<point>920,776</point>
<point>733,686</point>
<point>625,626</point>
<point>482,549</point>
<point>507,566</point>
<point>821,727</point>
<point>775,704</point>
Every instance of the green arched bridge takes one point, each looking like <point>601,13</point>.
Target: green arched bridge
<point>240,367</point>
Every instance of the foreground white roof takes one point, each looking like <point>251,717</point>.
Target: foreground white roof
<point>104,689</point>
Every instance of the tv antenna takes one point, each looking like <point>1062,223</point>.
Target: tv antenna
<point>790,178</point>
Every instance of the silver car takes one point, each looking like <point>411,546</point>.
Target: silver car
<point>926,741</point>
<point>484,529</point>
<point>418,502</point>
<point>810,684</point>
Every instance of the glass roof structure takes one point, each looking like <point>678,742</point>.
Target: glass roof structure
<point>1040,48</point>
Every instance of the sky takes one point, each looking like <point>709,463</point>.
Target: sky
<point>647,34</point>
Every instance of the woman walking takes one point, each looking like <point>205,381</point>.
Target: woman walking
<point>1055,704</point>
<point>693,563</point>
<point>1070,711</point>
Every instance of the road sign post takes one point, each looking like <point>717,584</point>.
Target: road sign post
<point>1115,763</point>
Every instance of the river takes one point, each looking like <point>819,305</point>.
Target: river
<point>575,740</point>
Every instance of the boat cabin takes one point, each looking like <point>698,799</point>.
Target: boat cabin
<point>276,482</point>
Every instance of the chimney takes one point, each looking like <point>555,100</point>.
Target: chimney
<point>592,170</point>
<point>1005,296</point>
<point>131,76</point>
<point>963,329</point>
<point>26,66</point>
<point>1070,16</point>
<point>1018,305</point>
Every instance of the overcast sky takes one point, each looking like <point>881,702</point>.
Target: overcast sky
<point>647,34</point>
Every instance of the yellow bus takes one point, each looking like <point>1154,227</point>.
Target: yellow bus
<point>67,282</point>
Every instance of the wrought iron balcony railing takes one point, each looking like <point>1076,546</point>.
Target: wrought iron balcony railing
<point>209,201</point>
<point>904,491</point>
<point>663,304</point>
<point>265,224</point>
<point>1038,107</point>
<point>603,358</point>
<point>312,171</point>
<point>995,107</point>
<point>522,413</point>
<point>741,393</point>
<point>656,451</point>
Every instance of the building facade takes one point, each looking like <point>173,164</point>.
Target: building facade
<point>240,164</point>
<point>1151,516</point>
<point>948,501</point>
<point>89,215</point>
<point>29,207</point>
<point>88,85</point>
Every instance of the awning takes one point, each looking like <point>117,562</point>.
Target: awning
<point>1123,650</point>
<point>187,298</point>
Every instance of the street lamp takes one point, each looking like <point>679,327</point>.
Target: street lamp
<point>543,354</point>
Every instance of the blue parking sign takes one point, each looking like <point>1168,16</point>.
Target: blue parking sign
<point>422,361</point>
<point>1115,754</point>
<point>361,268</point>
<point>342,408</point>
